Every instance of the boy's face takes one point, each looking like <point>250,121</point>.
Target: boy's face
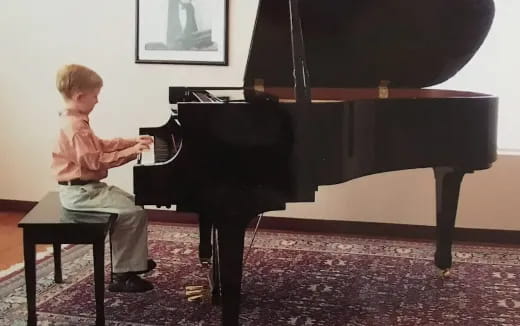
<point>87,100</point>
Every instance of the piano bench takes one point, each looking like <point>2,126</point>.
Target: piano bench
<point>49,223</point>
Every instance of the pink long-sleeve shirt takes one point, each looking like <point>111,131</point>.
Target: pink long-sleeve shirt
<point>80,154</point>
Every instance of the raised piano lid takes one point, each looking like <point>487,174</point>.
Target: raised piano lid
<point>359,43</point>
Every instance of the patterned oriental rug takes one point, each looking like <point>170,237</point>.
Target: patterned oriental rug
<point>289,279</point>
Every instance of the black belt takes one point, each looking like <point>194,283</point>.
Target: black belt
<point>76,182</point>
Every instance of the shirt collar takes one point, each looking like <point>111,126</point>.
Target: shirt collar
<point>75,113</point>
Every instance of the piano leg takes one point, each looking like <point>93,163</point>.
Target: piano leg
<point>205,249</point>
<point>231,249</point>
<point>214,273</point>
<point>447,181</point>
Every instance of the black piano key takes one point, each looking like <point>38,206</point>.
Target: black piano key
<point>161,150</point>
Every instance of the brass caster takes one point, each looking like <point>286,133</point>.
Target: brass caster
<point>205,262</point>
<point>196,293</point>
<point>445,273</point>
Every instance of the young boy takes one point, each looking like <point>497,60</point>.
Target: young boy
<point>80,160</point>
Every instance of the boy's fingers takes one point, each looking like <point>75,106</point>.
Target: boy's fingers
<point>146,138</point>
<point>140,147</point>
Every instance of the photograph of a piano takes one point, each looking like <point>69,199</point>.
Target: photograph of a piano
<point>333,91</point>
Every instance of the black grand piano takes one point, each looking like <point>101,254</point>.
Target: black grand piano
<point>333,91</point>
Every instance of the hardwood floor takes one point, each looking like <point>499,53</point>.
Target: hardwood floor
<point>11,245</point>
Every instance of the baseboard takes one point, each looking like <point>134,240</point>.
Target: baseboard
<point>387,230</point>
<point>390,230</point>
<point>16,205</point>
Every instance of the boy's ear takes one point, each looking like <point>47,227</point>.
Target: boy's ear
<point>76,96</point>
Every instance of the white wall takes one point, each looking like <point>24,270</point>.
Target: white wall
<point>495,69</point>
<point>36,37</point>
<point>488,199</point>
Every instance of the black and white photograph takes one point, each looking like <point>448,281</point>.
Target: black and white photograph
<point>181,31</point>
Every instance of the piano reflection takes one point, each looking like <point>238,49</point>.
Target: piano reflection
<point>333,91</point>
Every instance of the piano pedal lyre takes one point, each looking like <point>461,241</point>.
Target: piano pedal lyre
<point>197,293</point>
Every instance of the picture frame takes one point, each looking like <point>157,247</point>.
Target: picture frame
<point>182,32</point>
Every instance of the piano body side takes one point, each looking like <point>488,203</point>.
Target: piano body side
<point>233,156</point>
<point>374,136</point>
<point>357,134</point>
<point>247,149</point>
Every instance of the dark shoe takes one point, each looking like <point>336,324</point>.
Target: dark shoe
<point>129,282</point>
<point>149,268</point>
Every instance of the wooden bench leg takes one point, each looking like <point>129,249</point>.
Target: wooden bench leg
<point>99,279</point>
<point>29,255</point>
<point>56,249</point>
<point>111,262</point>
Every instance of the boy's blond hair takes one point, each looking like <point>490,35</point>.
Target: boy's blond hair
<point>76,78</point>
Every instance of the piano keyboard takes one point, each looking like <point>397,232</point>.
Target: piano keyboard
<point>167,141</point>
<point>160,151</point>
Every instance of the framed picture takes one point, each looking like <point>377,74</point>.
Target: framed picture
<point>182,31</point>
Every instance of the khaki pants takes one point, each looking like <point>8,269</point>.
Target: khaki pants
<point>130,236</point>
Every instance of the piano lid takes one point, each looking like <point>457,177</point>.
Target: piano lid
<point>359,43</point>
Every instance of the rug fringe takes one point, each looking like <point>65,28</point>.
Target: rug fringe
<point>19,266</point>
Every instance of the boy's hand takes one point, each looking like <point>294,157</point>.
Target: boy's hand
<point>140,147</point>
<point>144,139</point>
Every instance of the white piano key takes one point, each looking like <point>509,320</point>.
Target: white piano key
<point>148,156</point>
